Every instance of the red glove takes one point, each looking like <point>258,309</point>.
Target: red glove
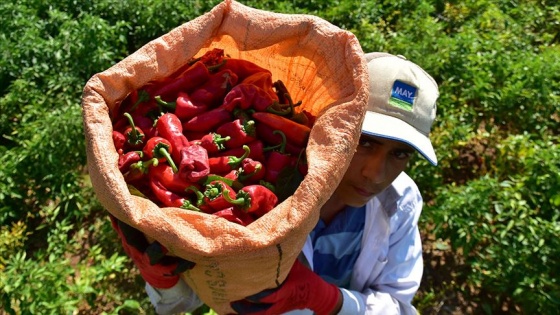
<point>302,289</point>
<point>158,269</point>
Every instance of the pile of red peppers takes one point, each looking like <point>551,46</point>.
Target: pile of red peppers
<point>217,136</point>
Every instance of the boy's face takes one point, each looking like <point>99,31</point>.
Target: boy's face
<point>374,166</point>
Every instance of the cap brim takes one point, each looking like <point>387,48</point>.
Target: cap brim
<point>389,127</point>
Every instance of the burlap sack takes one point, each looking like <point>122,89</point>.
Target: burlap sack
<point>320,64</point>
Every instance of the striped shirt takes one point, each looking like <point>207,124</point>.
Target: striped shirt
<point>336,246</point>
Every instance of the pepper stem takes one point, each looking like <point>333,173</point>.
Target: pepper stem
<point>220,141</point>
<point>189,206</point>
<point>268,185</point>
<point>143,166</point>
<point>164,104</point>
<point>134,132</point>
<point>234,161</point>
<point>241,201</point>
<point>282,110</point>
<point>216,66</point>
<point>198,193</point>
<point>283,144</point>
<point>249,127</point>
<point>214,177</point>
<point>160,151</point>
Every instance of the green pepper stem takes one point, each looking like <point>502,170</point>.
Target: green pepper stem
<point>144,165</point>
<point>271,148</point>
<point>131,122</point>
<point>283,111</point>
<point>213,177</point>
<point>189,206</point>
<point>233,160</point>
<point>164,104</point>
<point>283,144</point>
<point>219,141</point>
<point>161,152</point>
<point>216,66</point>
<point>267,185</point>
<point>241,201</point>
<point>198,193</point>
<point>249,127</point>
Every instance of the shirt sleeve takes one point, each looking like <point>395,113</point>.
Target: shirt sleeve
<point>177,299</point>
<point>393,293</point>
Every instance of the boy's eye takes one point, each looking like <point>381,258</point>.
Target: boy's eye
<point>402,154</point>
<point>365,143</point>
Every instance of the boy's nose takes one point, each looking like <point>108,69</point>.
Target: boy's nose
<point>375,168</point>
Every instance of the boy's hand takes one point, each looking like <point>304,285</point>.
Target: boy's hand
<point>158,269</point>
<point>302,289</point>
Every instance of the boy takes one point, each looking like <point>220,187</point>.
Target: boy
<point>365,254</point>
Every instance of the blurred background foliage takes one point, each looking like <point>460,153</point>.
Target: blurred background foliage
<point>491,220</point>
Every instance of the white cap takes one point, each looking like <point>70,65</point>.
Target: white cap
<point>402,102</point>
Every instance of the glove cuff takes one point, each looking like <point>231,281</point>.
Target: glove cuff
<point>326,300</point>
<point>159,281</point>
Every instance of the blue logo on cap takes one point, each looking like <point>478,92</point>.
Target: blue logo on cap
<point>402,95</point>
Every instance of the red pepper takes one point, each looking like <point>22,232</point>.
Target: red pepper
<point>208,121</point>
<point>164,174</point>
<point>240,132</point>
<point>212,199</point>
<point>138,171</point>
<point>145,124</point>
<point>212,58</point>
<point>302,165</point>
<point>193,136</point>
<point>213,142</point>
<point>233,175</point>
<point>256,151</point>
<point>194,163</point>
<point>196,75</point>
<point>139,96</point>
<point>251,171</point>
<point>263,80</point>
<point>242,67</point>
<point>216,193</point>
<point>134,135</point>
<point>304,117</point>
<point>131,102</point>
<point>127,159</point>
<point>118,140</point>
<point>224,164</point>
<point>169,127</point>
<point>255,199</point>
<point>248,96</point>
<point>297,134</point>
<point>213,91</point>
<point>235,215</point>
<point>185,109</point>
<point>169,198</point>
<point>277,160</point>
<point>159,148</point>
